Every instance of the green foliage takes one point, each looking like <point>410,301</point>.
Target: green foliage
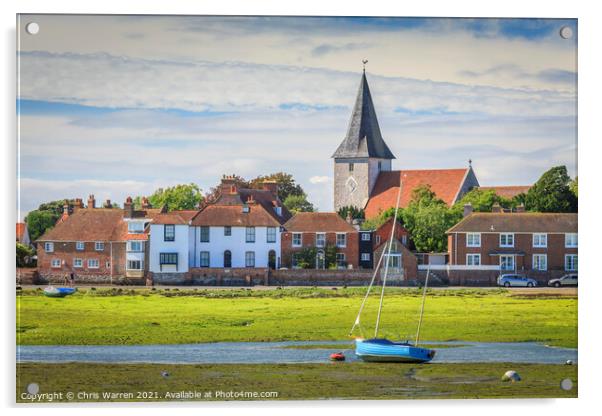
<point>573,186</point>
<point>481,201</point>
<point>383,217</point>
<point>286,184</point>
<point>43,218</point>
<point>183,196</point>
<point>330,254</point>
<point>427,218</point>
<point>552,193</point>
<point>24,254</point>
<point>356,213</point>
<point>306,258</point>
<point>298,203</point>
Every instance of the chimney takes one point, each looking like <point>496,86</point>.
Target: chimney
<point>128,208</point>
<point>520,208</point>
<point>78,203</point>
<point>496,208</point>
<point>271,186</point>
<point>65,210</point>
<point>145,203</point>
<point>250,200</point>
<point>467,209</point>
<point>228,185</point>
<point>108,204</point>
<point>349,219</point>
<point>91,202</point>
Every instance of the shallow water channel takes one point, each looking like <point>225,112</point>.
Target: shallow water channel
<point>284,352</point>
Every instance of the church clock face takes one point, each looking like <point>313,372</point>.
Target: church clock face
<point>351,185</point>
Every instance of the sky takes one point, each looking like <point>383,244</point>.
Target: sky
<point>122,105</point>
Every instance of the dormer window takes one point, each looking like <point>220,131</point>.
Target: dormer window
<point>278,211</point>
<point>135,227</point>
<point>245,209</point>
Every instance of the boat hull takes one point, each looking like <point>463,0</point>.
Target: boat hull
<point>58,292</point>
<point>382,350</point>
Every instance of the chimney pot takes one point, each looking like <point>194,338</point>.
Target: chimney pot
<point>467,209</point>
<point>91,201</point>
<point>128,208</point>
<point>496,208</point>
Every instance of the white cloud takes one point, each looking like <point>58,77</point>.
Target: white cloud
<point>319,179</point>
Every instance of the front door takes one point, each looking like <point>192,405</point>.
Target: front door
<point>272,259</point>
<point>227,259</point>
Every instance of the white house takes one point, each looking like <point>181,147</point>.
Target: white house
<point>169,242</point>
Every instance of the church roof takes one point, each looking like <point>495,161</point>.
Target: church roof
<point>445,183</point>
<point>363,137</point>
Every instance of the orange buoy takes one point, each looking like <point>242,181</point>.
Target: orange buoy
<point>337,356</point>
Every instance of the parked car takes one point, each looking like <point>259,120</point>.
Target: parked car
<point>566,280</point>
<point>511,280</point>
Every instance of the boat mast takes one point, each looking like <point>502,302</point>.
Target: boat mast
<point>387,261</point>
<point>426,282</point>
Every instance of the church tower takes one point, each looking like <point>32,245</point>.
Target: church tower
<point>362,155</point>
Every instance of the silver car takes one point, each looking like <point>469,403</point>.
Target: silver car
<point>515,280</point>
<point>566,280</point>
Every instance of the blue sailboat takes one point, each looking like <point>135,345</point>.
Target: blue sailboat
<point>381,349</point>
<point>58,292</point>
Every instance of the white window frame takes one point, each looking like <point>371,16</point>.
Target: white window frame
<point>55,265</point>
<point>365,236</point>
<point>201,258</point>
<point>131,249</point>
<point>80,245</point>
<point>250,235</point>
<point>271,232</point>
<point>365,257</point>
<point>127,264</point>
<point>250,259</point>
<point>90,264</point>
<point>568,240</point>
<point>513,263</point>
<point>138,230</point>
<point>300,236</point>
<point>507,235</point>
<point>344,235</point>
<point>472,243</point>
<point>473,256</point>
<point>99,246</point>
<point>320,239</point>
<point>573,268</point>
<point>49,247</point>
<point>78,263</point>
<point>377,239</point>
<point>227,231</point>
<point>537,238</point>
<point>341,258</point>
<point>536,264</point>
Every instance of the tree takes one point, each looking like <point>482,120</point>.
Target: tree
<point>551,193</point>
<point>24,254</point>
<point>298,203</point>
<point>356,213</point>
<point>286,184</point>
<point>427,218</point>
<point>183,196</point>
<point>482,201</point>
<point>43,218</point>
<point>574,187</point>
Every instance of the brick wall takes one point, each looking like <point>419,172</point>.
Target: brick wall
<point>308,277</point>
<point>308,240</point>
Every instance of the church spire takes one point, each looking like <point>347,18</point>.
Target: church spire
<point>363,137</point>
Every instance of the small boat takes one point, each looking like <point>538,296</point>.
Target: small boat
<point>337,356</point>
<point>59,292</point>
<point>383,350</point>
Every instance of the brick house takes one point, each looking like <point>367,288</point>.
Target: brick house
<point>541,245</point>
<point>403,263</point>
<point>320,230</point>
<point>94,243</point>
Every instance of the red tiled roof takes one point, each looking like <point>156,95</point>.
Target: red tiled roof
<point>445,183</point>
<point>318,222</point>
<point>88,224</point>
<point>233,215</point>
<point>175,217</point>
<point>528,222</point>
<point>21,227</point>
<point>507,191</point>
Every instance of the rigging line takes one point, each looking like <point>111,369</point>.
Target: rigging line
<point>382,294</point>
<point>426,282</point>
<point>357,318</point>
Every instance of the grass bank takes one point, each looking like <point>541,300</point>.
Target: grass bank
<point>293,381</point>
<point>110,316</point>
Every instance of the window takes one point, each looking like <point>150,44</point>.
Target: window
<point>93,264</point>
<point>296,239</point>
<point>134,265</point>
<point>570,262</point>
<point>169,232</point>
<point>205,234</point>
<point>378,239</point>
<point>473,259</point>
<point>227,258</point>
<point>341,263</point>
<point>227,231</point>
<point>78,263</point>
<point>168,258</point>
<point>365,236</point>
<point>473,240</point>
<point>204,259</point>
<point>507,262</point>
<point>320,239</point>
<point>540,262</point>
<point>48,247</point>
<point>365,256</point>
<point>380,165</point>
<point>506,240</point>
<point>250,259</point>
<point>540,240</point>
<point>108,264</point>
<point>271,234</point>
<point>135,246</point>
<point>98,246</point>
<point>250,235</point>
<point>351,167</point>
<point>404,240</point>
<point>80,245</point>
<point>394,260</point>
<point>135,227</point>
<point>55,263</point>
<point>295,261</point>
<point>341,240</point>
<point>570,240</point>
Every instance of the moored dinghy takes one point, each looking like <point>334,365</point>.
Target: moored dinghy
<point>58,292</point>
<point>381,349</point>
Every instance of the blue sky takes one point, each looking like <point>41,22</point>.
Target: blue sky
<point>119,105</point>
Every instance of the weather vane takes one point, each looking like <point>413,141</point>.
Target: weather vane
<point>364,61</point>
